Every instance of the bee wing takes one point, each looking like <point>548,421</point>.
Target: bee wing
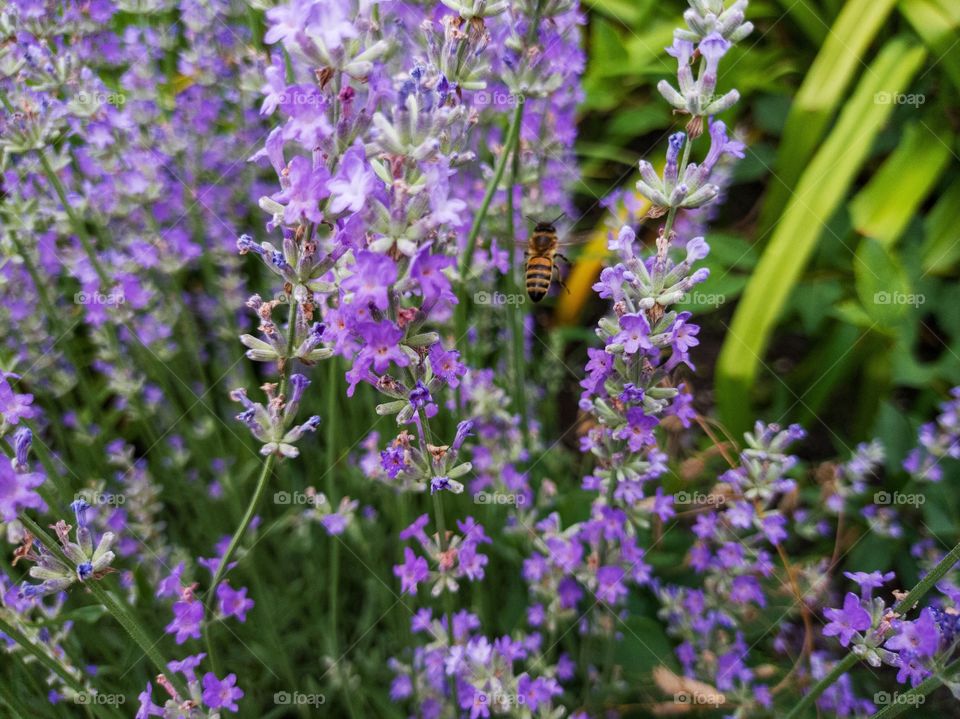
<point>573,240</point>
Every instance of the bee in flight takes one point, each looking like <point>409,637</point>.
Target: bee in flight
<point>541,265</point>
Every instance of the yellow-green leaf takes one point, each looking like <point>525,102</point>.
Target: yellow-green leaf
<point>941,245</point>
<point>824,89</point>
<point>885,206</point>
<point>881,283</point>
<point>822,188</point>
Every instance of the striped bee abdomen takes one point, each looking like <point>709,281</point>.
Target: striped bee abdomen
<point>539,277</point>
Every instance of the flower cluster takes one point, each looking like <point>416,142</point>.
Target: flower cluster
<point>483,670</point>
<point>939,440</point>
<point>82,560</point>
<point>273,424</point>
<point>208,695</point>
<point>454,558</point>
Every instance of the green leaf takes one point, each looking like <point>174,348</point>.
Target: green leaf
<point>644,647</point>
<point>824,89</point>
<point>628,12</point>
<point>853,313</point>
<point>886,205</point>
<point>812,298</point>
<point>881,283</point>
<point>937,22</point>
<point>807,20</point>
<point>821,190</point>
<point>941,245</point>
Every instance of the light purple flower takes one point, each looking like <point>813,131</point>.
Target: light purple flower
<point>848,621</point>
<point>234,602</point>
<point>221,694</point>
<point>353,182</point>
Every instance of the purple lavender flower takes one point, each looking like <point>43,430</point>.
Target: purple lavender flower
<point>412,572</point>
<point>305,186</point>
<point>187,618</point>
<point>17,492</point>
<point>14,406</point>
<point>849,620</point>
<point>221,693</point>
<point>919,638</point>
<point>233,602</point>
<point>352,183</point>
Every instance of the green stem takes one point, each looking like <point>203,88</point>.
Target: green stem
<point>447,598</point>
<point>333,580</point>
<point>515,314</point>
<point>513,133</point>
<point>672,213</point>
<point>903,606</point>
<point>258,491</point>
<point>76,221</point>
<point>441,523</point>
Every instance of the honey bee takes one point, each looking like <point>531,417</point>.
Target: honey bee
<point>541,255</point>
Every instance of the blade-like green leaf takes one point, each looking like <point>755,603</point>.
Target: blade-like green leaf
<point>821,190</point>
<point>807,20</point>
<point>885,206</point>
<point>823,91</point>
<point>937,22</point>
